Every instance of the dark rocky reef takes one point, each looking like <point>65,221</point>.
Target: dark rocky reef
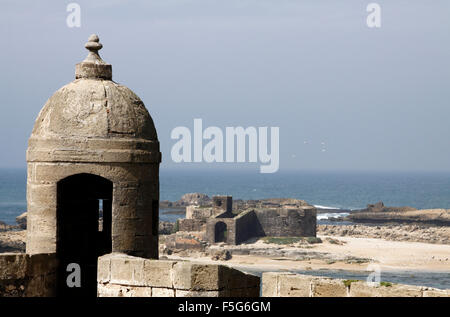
<point>437,217</point>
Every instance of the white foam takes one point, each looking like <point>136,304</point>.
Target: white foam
<point>326,207</point>
<point>329,215</point>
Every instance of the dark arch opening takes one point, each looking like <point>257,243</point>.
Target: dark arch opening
<point>84,217</point>
<point>220,232</point>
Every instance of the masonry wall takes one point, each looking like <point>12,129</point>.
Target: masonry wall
<point>23,275</point>
<point>297,285</point>
<point>134,207</point>
<point>127,276</point>
<point>191,224</point>
<point>285,222</point>
<point>231,229</point>
<point>247,226</point>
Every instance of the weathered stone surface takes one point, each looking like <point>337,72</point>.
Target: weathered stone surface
<point>191,224</point>
<point>221,255</point>
<point>13,266</point>
<point>328,288</point>
<point>184,293</point>
<point>270,284</point>
<point>158,273</point>
<point>42,264</point>
<point>206,277</point>
<point>109,290</point>
<point>98,127</point>
<point>169,278</point>
<point>181,275</point>
<point>104,269</point>
<point>27,275</point>
<point>298,285</point>
<point>286,285</point>
<point>162,292</point>
<point>363,289</point>
<point>295,285</point>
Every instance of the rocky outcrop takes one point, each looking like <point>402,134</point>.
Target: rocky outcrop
<point>438,217</point>
<point>4,226</point>
<point>194,199</point>
<point>200,199</point>
<point>12,241</point>
<point>411,233</point>
<point>380,207</point>
<point>240,204</point>
<point>221,255</point>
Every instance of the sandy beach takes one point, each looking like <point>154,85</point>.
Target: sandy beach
<point>389,255</point>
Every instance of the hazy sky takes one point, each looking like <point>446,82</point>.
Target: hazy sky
<point>378,99</point>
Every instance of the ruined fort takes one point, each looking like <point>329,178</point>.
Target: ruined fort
<point>220,223</point>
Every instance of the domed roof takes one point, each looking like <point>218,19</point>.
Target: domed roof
<point>93,109</point>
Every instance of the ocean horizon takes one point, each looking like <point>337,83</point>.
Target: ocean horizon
<point>327,189</point>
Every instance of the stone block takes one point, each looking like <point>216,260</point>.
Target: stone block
<point>294,285</point>
<point>322,287</point>
<point>158,273</point>
<point>186,293</point>
<point>270,284</point>
<point>42,264</point>
<point>109,290</point>
<point>162,292</point>
<point>141,292</point>
<point>126,270</point>
<point>234,279</point>
<point>104,269</point>
<point>363,289</point>
<point>206,277</point>
<point>13,266</point>
<point>181,275</point>
<point>42,195</point>
<point>240,292</point>
<point>135,291</point>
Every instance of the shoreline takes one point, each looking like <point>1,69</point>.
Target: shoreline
<point>389,255</point>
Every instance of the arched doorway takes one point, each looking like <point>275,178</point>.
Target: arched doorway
<point>220,232</point>
<point>84,216</point>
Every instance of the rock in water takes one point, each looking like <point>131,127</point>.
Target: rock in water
<point>194,199</point>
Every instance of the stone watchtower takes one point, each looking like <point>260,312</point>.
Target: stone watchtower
<point>93,173</point>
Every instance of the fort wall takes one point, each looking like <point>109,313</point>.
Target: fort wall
<point>24,275</point>
<point>127,276</point>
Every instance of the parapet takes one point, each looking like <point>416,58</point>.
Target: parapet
<point>128,276</point>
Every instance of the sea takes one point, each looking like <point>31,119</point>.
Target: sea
<point>326,190</point>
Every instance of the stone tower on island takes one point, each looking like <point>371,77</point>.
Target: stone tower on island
<point>93,173</point>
